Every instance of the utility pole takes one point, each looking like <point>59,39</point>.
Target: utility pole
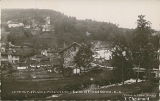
<point>139,63</point>
<point>150,57</point>
<point>122,73</point>
<point>62,68</point>
<point>123,54</point>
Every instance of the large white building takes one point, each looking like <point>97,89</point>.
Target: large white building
<point>14,24</point>
<point>106,54</point>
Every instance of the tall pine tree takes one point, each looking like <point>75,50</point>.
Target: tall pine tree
<point>143,48</point>
<point>121,58</point>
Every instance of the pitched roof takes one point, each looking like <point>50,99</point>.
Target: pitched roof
<point>4,53</point>
<point>13,23</point>
<point>39,56</point>
<point>56,61</point>
<point>52,51</point>
<point>74,43</point>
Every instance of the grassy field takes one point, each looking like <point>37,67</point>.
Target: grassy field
<point>11,88</point>
<point>73,82</point>
<point>113,93</point>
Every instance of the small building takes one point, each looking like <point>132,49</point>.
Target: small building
<point>53,55</point>
<point>4,56</point>
<point>38,58</point>
<point>14,24</point>
<point>142,72</point>
<point>4,60</point>
<point>14,58</point>
<point>76,71</point>
<point>27,26</point>
<point>44,52</point>
<point>22,67</point>
<point>33,58</point>
<point>46,28</point>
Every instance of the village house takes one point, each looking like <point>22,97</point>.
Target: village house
<point>27,26</point>
<point>44,52</point>
<point>4,60</point>
<point>11,56</point>
<point>53,54</point>
<point>40,26</point>
<point>24,67</point>
<point>33,58</point>
<point>4,54</point>
<point>14,24</point>
<point>38,58</point>
<point>50,53</point>
<point>142,72</point>
<point>14,58</point>
<point>68,54</point>
<point>102,53</point>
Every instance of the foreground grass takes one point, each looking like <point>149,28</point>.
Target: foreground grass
<point>112,93</point>
<point>8,89</point>
<point>11,87</point>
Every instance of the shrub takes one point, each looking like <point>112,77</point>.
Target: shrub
<point>68,72</point>
<point>96,71</point>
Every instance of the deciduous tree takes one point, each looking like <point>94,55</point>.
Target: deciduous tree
<point>84,57</point>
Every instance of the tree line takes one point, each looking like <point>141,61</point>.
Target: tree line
<point>140,52</point>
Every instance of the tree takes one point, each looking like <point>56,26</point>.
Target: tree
<point>27,33</point>
<point>121,58</point>
<point>84,57</point>
<point>16,34</point>
<point>143,45</point>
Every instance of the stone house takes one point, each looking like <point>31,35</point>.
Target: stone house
<point>68,53</point>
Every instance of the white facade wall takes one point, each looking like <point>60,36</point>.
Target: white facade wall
<point>13,59</point>
<point>15,25</point>
<point>24,67</point>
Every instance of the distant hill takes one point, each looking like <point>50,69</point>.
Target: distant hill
<point>67,28</point>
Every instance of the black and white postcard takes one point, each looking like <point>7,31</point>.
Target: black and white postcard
<point>80,50</point>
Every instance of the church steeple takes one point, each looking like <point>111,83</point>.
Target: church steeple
<point>47,20</point>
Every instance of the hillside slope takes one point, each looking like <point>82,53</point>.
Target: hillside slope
<point>67,29</point>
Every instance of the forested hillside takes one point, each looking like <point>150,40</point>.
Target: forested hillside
<point>67,29</point>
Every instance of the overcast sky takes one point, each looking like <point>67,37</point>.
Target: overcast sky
<point>122,12</point>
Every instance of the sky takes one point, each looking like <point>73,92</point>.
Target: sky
<point>122,12</point>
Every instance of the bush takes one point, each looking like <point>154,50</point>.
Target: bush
<point>68,72</point>
<point>147,88</point>
<point>144,88</point>
<point>96,71</point>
